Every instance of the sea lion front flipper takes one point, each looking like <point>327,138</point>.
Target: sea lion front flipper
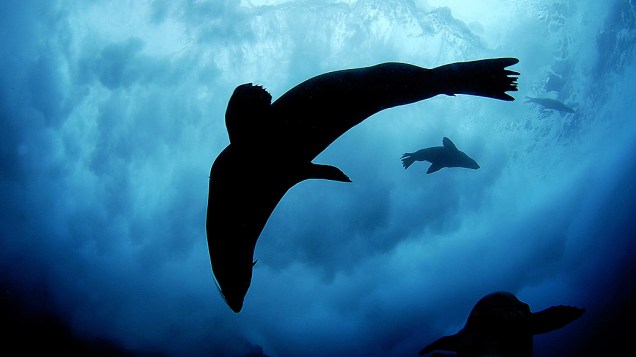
<point>434,167</point>
<point>553,318</point>
<point>325,172</point>
<point>448,144</point>
<point>446,343</point>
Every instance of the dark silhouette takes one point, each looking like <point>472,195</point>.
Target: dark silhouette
<point>31,327</point>
<point>550,104</point>
<point>272,145</point>
<point>440,157</point>
<point>501,325</point>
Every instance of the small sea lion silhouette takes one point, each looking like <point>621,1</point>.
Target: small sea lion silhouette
<point>272,145</point>
<point>501,325</point>
<point>440,156</point>
<point>549,103</point>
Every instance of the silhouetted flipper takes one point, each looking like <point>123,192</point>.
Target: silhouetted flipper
<point>440,156</point>
<point>549,103</point>
<point>501,325</point>
<point>272,145</point>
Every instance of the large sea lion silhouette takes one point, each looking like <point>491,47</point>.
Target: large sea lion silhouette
<point>272,144</point>
<point>500,325</point>
<point>550,103</point>
<point>440,156</point>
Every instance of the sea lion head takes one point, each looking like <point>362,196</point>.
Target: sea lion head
<point>233,277</point>
<point>232,230</point>
<point>499,311</point>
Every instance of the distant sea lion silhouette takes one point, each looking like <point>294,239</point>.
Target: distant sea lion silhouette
<point>272,144</point>
<point>549,103</point>
<point>440,156</point>
<point>501,325</point>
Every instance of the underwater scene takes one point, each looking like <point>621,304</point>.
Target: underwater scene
<point>318,178</point>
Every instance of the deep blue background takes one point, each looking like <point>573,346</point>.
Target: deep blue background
<point>111,114</point>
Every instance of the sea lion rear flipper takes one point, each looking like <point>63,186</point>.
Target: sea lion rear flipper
<point>485,78</point>
<point>407,160</point>
<point>325,172</point>
<point>553,318</point>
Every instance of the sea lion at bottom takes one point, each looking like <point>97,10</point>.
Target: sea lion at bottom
<point>501,325</point>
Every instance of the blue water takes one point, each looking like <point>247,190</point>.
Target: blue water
<point>111,113</point>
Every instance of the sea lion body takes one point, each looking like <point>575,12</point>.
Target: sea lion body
<point>272,145</point>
